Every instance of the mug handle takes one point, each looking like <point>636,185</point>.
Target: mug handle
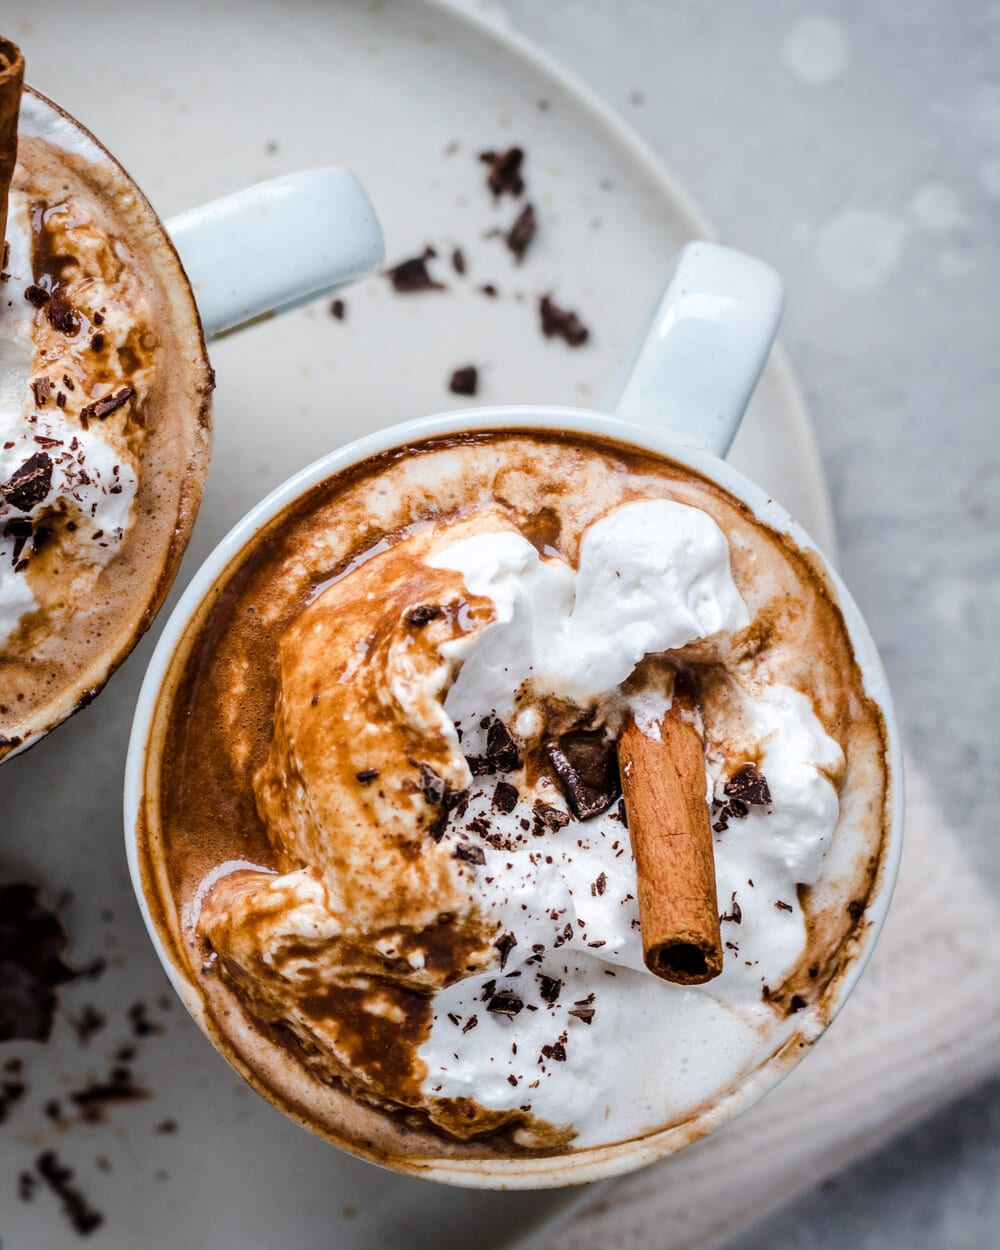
<point>276,245</point>
<point>694,369</point>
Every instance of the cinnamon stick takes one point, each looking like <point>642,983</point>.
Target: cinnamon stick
<point>663,783</point>
<point>11,81</point>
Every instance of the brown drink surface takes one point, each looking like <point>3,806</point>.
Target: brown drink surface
<point>212,774</point>
<point>117,355</point>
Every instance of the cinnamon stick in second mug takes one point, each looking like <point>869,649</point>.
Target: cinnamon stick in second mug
<point>663,782</point>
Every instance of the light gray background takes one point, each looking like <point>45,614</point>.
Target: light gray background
<point>857,148</point>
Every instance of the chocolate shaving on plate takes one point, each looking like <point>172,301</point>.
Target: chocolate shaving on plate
<point>411,276</point>
<point>521,234</point>
<point>464,381</point>
<point>338,309</point>
<point>561,323</point>
<point>504,173</point>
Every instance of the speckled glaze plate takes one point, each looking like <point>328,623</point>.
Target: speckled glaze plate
<point>197,100</point>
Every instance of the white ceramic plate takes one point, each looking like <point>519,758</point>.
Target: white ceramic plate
<point>196,100</point>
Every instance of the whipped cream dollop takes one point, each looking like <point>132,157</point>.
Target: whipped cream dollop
<point>553,1015</point>
<point>49,458</point>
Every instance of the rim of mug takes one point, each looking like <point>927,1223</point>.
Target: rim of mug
<point>76,699</point>
<point>591,1163</point>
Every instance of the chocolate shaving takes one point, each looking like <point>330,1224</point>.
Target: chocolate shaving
<point>432,786</point>
<point>519,237</point>
<point>32,942</point>
<point>458,261</point>
<point>504,944</point>
<point>735,914</point>
<point>77,1210</point>
<point>470,1023</point>
<point>41,389</point>
<point>61,313</point>
<point>586,767</point>
<point>11,1092</point>
<point>550,817</point>
<point>338,309</point>
<point>501,755</point>
<point>97,342</point>
<point>783,906</point>
<point>748,785</point>
<point>471,853</point>
<point>504,174</point>
<point>505,797</point>
<point>548,987</point>
<point>102,408</point>
<point>561,323</point>
<point>556,1051</point>
<point>30,482</point>
<point>586,1014</point>
<point>36,295</point>
<point>505,1003</point>
<point>411,276</point>
<point>464,381</point>
<point>422,614</point>
<point>366,775</point>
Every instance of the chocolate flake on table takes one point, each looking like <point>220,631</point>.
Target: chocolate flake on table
<point>36,295</point>
<point>748,785</point>
<point>505,797</point>
<point>504,944</point>
<point>422,614</point>
<point>548,987</point>
<point>366,775</point>
<point>458,261</point>
<point>411,276</point>
<point>464,381</point>
<point>586,766</point>
<point>735,913</point>
<point>32,943</point>
<point>11,1091</point>
<point>94,1099</point>
<point>61,313</point>
<point>30,482</point>
<point>41,389</point>
<point>504,174</point>
<point>561,323</point>
<point>77,1210</point>
<point>519,237</point>
<point>102,408</point>
<point>142,1026</point>
<point>89,1022</point>
<point>338,309</point>
<point>505,1003</point>
<point>469,852</point>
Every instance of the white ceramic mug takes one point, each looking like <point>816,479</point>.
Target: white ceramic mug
<point>257,252</point>
<point>680,395</point>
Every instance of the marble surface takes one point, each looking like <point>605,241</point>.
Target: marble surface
<point>857,148</point>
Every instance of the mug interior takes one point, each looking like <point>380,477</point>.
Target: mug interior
<point>183,377</point>
<point>142,766</point>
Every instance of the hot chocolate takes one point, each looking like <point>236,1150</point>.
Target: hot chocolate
<point>104,421</point>
<point>383,832</point>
